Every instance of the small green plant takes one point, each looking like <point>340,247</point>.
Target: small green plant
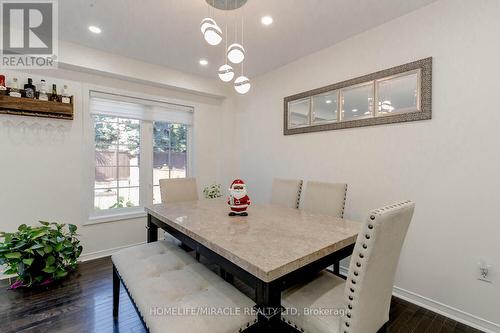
<point>40,255</point>
<point>212,191</point>
<point>121,203</point>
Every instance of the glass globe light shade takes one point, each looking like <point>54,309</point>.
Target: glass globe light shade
<point>226,73</point>
<point>242,84</point>
<point>207,21</point>
<point>213,35</point>
<point>236,53</point>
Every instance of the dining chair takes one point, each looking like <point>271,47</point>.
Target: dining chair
<point>365,297</point>
<point>178,190</point>
<point>328,199</point>
<point>325,198</point>
<point>286,192</point>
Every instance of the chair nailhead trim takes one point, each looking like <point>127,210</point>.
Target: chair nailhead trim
<point>372,217</point>
<point>367,236</point>
<point>365,246</point>
<point>358,264</point>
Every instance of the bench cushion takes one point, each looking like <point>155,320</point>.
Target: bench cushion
<point>160,278</point>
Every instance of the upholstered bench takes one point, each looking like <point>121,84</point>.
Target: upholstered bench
<point>172,292</point>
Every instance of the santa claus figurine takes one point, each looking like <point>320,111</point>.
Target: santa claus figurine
<point>238,198</point>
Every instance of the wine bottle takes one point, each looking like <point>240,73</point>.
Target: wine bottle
<point>29,89</point>
<point>14,90</point>
<point>54,96</point>
<point>3,89</point>
<point>66,98</point>
<point>43,91</point>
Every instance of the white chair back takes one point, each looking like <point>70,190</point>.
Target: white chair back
<point>373,265</point>
<point>178,190</point>
<point>325,198</point>
<point>286,192</point>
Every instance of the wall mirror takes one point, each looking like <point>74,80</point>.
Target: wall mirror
<point>398,94</point>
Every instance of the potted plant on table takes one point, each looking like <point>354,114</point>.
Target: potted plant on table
<point>213,191</point>
<point>40,255</point>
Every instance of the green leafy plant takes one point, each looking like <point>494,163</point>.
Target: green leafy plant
<point>40,255</point>
<point>121,203</point>
<point>212,191</point>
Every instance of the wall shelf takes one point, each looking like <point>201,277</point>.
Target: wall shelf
<point>35,108</point>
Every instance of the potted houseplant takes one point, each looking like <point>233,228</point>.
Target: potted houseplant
<point>40,255</point>
<point>213,191</point>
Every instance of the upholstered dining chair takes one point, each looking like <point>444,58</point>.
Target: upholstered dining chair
<point>178,190</point>
<point>324,198</point>
<point>286,192</point>
<point>366,295</point>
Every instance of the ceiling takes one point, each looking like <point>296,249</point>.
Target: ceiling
<point>166,32</point>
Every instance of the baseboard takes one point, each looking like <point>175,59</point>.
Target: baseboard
<point>443,309</point>
<point>105,253</point>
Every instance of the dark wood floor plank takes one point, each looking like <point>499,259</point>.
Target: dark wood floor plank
<point>83,303</point>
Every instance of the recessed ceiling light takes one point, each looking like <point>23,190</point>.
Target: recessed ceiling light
<point>266,20</point>
<point>95,29</point>
<point>203,62</point>
<point>328,101</point>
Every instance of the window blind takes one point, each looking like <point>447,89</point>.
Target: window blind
<point>141,109</point>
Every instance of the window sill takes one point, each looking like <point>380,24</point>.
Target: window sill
<point>113,217</point>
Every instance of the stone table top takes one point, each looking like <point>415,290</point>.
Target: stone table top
<point>270,242</point>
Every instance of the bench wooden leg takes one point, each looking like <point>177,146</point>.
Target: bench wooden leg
<point>116,292</point>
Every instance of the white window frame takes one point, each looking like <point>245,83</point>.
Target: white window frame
<point>146,153</point>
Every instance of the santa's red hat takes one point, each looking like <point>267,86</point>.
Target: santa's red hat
<point>237,182</point>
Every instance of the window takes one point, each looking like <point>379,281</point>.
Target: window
<point>136,143</point>
<point>117,151</point>
<point>169,154</point>
<point>398,94</point>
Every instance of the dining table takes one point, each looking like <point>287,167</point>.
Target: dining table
<point>270,250</point>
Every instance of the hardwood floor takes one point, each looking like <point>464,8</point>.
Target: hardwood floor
<point>83,303</point>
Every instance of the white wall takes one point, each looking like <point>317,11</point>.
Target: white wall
<point>45,165</point>
<point>449,165</point>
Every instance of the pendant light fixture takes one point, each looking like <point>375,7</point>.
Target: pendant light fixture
<point>210,30</point>
<point>235,53</point>
<point>242,84</point>
<point>226,72</point>
<point>213,35</point>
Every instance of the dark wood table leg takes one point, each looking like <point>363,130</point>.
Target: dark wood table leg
<point>268,300</point>
<point>152,230</point>
<point>336,268</point>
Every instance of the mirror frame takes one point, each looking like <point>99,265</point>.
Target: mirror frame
<point>424,111</point>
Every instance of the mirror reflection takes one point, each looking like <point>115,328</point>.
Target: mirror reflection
<point>298,113</point>
<point>357,101</point>
<point>398,94</point>
<point>325,107</point>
